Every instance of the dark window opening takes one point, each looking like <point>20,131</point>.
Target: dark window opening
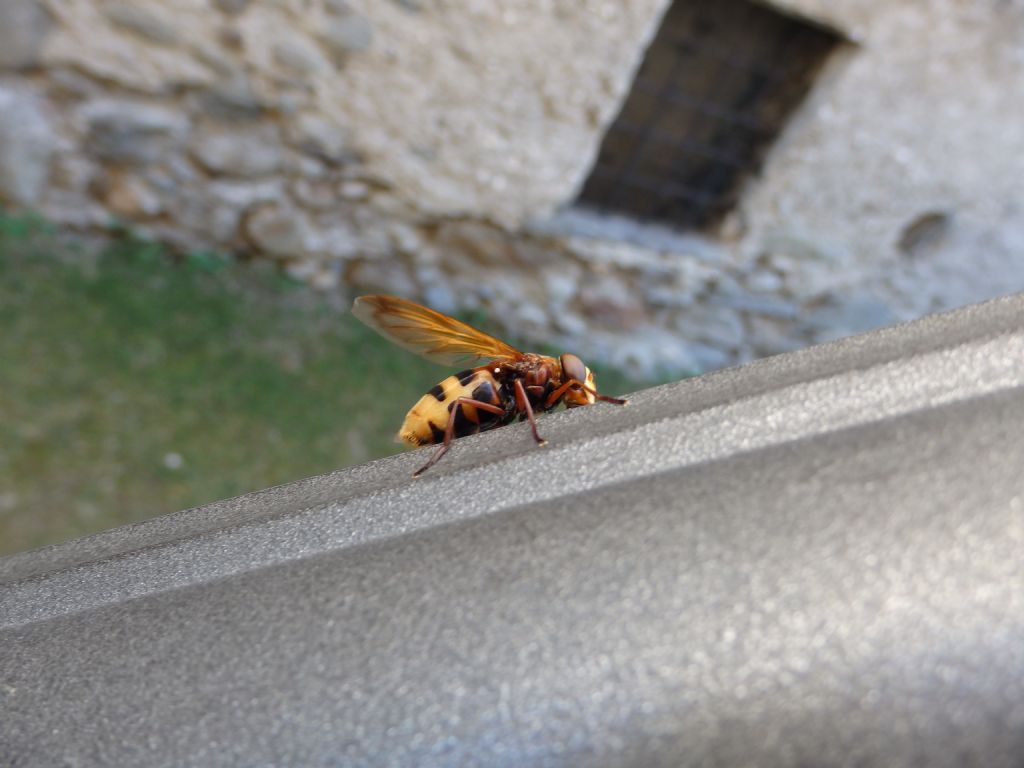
<point>714,91</point>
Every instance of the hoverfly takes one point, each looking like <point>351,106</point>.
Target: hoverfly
<point>509,385</point>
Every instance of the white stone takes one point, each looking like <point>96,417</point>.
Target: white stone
<point>319,136</point>
<point>405,238</point>
<point>230,98</point>
<point>374,240</point>
<point>561,283</point>
<point>27,141</point>
<point>73,85</point>
<point>298,56</point>
<point>242,194</point>
<point>303,270</point>
<point>327,278</point>
<point>277,230</point>
<point>142,21</point>
<point>390,276</point>
<point>846,316</point>
<point>708,358</point>
<point>649,350</point>
<point>307,167</point>
<point>354,190</point>
<point>221,225</point>
<point>773,336</point>
<point>486,244</point>
<point>224,65</point>
<point>668,296</point>
<point>127,130</point>
<point>318,195</point>
<point>531,318</point>
<point>337,7</point>
<point>173,461</point>
<point>570,324</point>
<point>334,239</point>
<point>181,169</point>
<point>73,172</point>
<point>609,300</point>
<point>719,327</point>
<point>347,34</point>
<point>129,196</point>
<point>232,7</point>
<point>246,152</point>
<point>135,45</point>
<point>74,209</point>
<point>23,27</point>
<point>615,253</point>
<point>440,297</point>
<point>763,281</point>
<point>728,292</point>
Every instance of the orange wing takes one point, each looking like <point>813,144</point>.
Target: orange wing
<point>437,337</point>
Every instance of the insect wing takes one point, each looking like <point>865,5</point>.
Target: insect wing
<point>437,337</point>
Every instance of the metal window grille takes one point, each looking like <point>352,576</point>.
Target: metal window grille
<point>714,90</point>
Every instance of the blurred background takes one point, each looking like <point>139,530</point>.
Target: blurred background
<point>193,191</point>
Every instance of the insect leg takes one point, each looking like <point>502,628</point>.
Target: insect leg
<point>605,398</point>
<point>449,431</point>
<point>523,404</point>
<point>555,396</point>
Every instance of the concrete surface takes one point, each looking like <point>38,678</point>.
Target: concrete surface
<point>813,559</point>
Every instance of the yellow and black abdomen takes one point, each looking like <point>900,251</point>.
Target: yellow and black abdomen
<point>426,421</point>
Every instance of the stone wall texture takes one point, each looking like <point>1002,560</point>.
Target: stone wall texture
<point>434,149</point>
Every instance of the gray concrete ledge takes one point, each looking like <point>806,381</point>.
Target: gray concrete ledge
<point>811,559</point>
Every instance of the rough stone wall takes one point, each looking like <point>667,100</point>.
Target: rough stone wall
<point>431,147</point>
<point>901,186</point>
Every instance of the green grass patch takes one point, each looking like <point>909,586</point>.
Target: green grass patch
<point>134,384</point>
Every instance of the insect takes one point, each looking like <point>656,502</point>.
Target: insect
<point>510,385</point>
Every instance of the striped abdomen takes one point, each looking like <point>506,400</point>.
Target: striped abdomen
<point>426,421</point>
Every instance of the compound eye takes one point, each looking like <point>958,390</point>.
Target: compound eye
<point>573,368</point>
